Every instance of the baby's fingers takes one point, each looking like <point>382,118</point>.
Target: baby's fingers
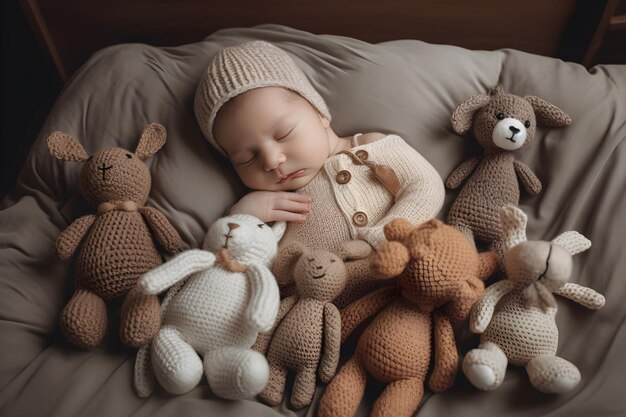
<point>286,216</point>
<point>293,206</point>
<point>301,198</point>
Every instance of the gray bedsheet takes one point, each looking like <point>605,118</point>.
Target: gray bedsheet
<point>405,87</point>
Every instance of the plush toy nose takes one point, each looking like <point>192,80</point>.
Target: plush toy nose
<point>104,170</point>
<point>232,226</point>
<point>513,129</point>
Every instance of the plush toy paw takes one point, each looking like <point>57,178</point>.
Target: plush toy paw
<point>485,367</point>
<point>552,375</point>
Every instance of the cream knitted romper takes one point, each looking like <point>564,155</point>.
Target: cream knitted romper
<point>349,203</point>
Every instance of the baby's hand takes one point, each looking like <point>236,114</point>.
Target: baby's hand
<point>273,206</point>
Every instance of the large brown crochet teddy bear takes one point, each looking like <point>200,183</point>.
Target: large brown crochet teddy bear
<point>440,278</point>
<point>306,335</point>
<point>502,124</point>
<point>118,245</point>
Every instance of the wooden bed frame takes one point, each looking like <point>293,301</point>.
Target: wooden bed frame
<point>71,30</point>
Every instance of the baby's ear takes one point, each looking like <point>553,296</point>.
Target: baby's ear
<point>548,114</point>
<point>152,139</point>
<point>65,147</point>
<point>354,249</point>
<point>463,115</point>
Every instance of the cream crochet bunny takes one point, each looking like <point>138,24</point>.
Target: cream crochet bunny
<point>229,297</point>
<point>516,316</point>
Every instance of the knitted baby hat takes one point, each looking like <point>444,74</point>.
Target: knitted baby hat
<point>240,68</point>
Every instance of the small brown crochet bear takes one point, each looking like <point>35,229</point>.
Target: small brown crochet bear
<point>307,332</point>
<point>440,278</point>
<point>502,124</point>
<point>118,245</point>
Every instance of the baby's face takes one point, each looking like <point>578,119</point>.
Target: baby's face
<point>274,138</point>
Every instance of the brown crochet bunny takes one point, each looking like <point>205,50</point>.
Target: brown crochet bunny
<point>501,123</point>
<point>440,277</point>
<point>118,244</point>
<point>306,334</point>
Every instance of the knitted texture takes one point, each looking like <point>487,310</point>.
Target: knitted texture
<point>118,243</point>
<point>520,323</point>
<point>306,336</point>
<point>438,283</point>
<point>240,68</point>
<point>217,313</point>
<point>334,220</point>
<point>501,123</point>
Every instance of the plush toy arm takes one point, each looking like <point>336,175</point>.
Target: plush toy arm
<point>366,306</point>
<point>470,290</point>
<point>529,180</point>
<point>461,172</point>
<point>582,295</point>
<point>332,343</point>
<point>69,239</point>
<point>446,355</point>
<point>163,230</point>
<point>482,312</point>
<point>264,297</point>
<point>176,269</point>
<point>264,339</point>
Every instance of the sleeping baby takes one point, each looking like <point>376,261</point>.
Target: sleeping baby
<point>259,110</point>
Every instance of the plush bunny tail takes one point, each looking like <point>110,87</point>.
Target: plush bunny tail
<point>144,375</point>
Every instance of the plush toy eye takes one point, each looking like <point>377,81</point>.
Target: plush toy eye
<point>332,261</point>
<point>527,124</point>
<point>260,225</point>
<point>499,115</point>
<point>311,259</point>
<point>128,156</point>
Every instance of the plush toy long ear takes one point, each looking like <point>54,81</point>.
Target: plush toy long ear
<point>286,261</point>
<point>65,147</point>
<point>463,115</point>
<point>548,114</point>
<point>152,139</point>
<point>573,242</point>
<point>513,226</point>
<point>354,249</point>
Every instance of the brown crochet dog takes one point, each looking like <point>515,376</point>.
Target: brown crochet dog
<point>306,335</point>
<point>119,245</point>
<point>440,278</point>
<point>501,123</point>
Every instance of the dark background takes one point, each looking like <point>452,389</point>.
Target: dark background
<point>30,85</point>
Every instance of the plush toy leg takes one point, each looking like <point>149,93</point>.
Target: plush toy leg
<point>485,367</point>
<point>399,399</point>
<point>552,374</point>
<point>275,388</point>
<point>140,318</point>
<point>303,388</point>
<point>176,364</point>
<point>236,373</point>
<point>345,391</point>
<point>84,319</point>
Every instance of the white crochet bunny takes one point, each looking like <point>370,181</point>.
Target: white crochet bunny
<point>516,316</point>
<point>217,313</point>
